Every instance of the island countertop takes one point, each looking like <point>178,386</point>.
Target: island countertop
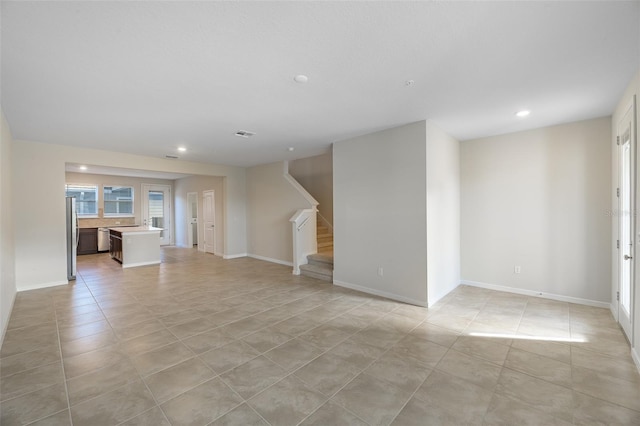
<point>135,229</point>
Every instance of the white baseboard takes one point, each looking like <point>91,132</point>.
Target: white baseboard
<point>636,358</point>
<point>27,287</point>
<point>234,256</point>
<point>133,265</point>
<point>539,294</point>
<point>381,293</point>
<point>269,259</point>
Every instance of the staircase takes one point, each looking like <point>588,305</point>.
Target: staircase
<point>325,239</point>
<point>320,265</point>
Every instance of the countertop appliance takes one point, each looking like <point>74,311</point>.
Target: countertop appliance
<point>72,237</point>
<point>103,239</point>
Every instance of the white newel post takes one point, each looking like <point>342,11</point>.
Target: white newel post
<point>303,227</point>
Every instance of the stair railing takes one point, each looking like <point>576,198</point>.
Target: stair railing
<point>303,225</point>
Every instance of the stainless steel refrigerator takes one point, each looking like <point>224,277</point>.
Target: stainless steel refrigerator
<point>72,238</point>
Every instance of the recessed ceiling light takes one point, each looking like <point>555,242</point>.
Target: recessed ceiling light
<point>291,148</point>
<point>301,78</point>
<point>523,113</point>
<point>83,168</point>
<point>182,149</point>
<point>244,134</point>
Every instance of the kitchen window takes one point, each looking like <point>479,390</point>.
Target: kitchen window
<point>118,200</point>
<point>86,198</point>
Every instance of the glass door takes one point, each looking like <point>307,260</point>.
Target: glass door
<point>156,209</point>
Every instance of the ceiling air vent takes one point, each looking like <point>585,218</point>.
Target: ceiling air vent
<point>172,157</point>
<point>244,133</point>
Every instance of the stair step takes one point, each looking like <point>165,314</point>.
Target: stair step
<point>325,239</point>
<point>327,244</point>
<point>324,273</point>
<point>321,259</point>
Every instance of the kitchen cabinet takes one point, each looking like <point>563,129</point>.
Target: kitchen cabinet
<point>88,241</point>
<point>115,245</point>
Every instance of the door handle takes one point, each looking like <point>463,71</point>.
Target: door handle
<point>627,257</point>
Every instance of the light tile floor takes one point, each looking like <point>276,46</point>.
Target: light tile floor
<point>199,340</point>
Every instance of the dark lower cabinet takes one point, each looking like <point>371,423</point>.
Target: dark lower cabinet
<point>88,241</point>
<point>115,245</point>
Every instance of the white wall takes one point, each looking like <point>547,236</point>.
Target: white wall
<point>102,180</point>
<point>271,201</point>
<point>199,184</point>
<point>539,199</point>
<point>315,174</point>
<point>379,191</point>
<point>7,256</point>
<point>40,248</point>
<point>633,89</point>
<point>443,213</point>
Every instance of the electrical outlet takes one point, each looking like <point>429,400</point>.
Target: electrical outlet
<point>516,269</point>
<point>380,271</point>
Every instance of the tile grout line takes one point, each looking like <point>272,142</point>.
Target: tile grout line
<point>49,415</point>
<point>64,375</point>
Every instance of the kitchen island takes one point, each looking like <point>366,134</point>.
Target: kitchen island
<point>135,245</point>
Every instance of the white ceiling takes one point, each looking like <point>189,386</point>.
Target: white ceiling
<point>146,77</point>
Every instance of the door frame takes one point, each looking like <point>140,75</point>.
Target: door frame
<point>626,322</point>
<point>190,218</point>
<point>146,187</point>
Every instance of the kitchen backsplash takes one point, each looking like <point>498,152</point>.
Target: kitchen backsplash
<point>100,223</point>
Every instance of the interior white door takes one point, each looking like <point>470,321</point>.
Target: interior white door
<point>626,218</point>
<point>209,220</point>
<point>156,209</point>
